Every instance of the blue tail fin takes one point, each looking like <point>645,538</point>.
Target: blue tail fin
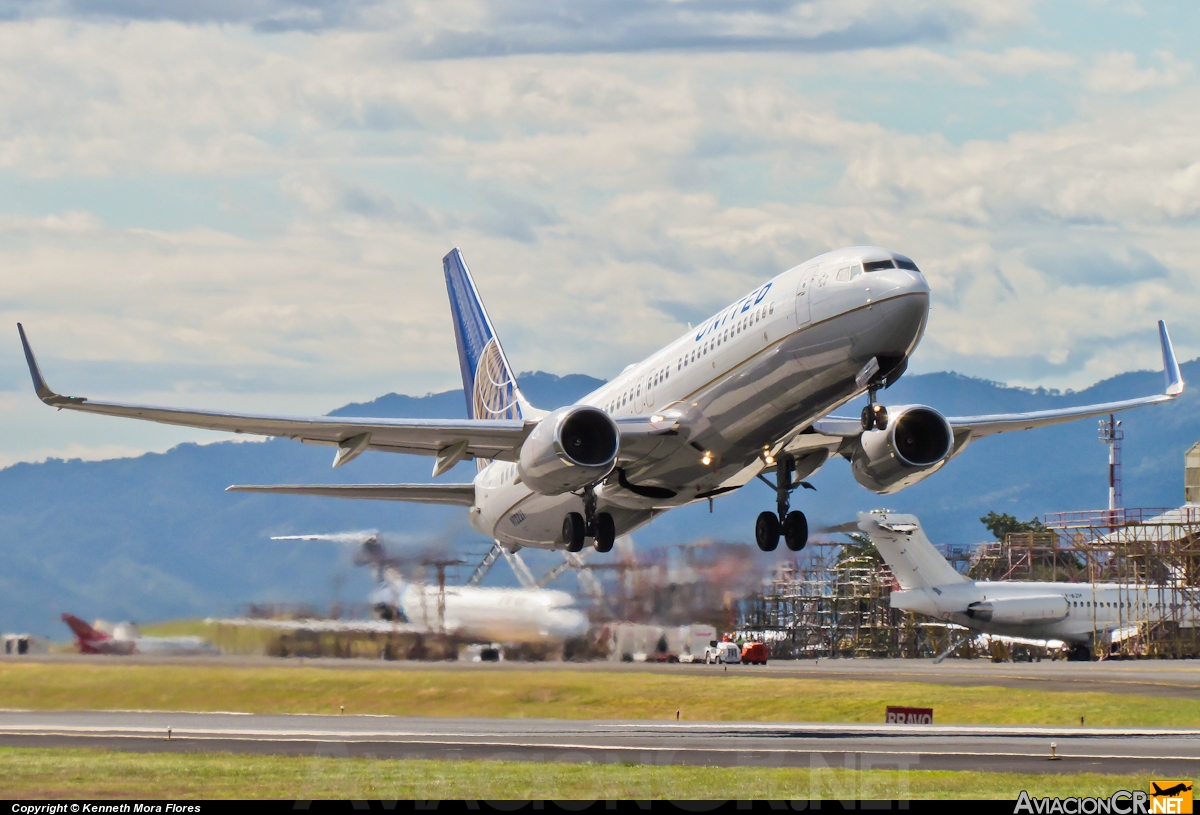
<point>488,380</point>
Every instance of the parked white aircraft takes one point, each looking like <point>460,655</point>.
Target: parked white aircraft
<point>1075,613</point>
<point>750,390</point>
<point>510,616</point>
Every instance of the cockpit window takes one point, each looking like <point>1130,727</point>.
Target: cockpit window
<point>876,265</point>
<point>907,264</point>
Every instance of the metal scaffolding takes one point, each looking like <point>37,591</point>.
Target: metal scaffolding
<point>832,602</point>
<point>1154,555</point>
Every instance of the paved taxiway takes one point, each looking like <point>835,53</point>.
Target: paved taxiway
<point>1169,753</point>
<point>1167,678</point>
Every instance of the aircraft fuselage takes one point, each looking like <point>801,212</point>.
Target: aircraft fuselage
<point>771,363</point>
<point>1086,609</point>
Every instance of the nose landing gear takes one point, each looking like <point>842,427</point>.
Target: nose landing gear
<point>791,523</point>
<point>591,524</point>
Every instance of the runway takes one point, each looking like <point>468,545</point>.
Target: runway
<point>1167,753</point>
<point>1164,678</point>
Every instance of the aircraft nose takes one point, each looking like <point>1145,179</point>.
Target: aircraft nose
<point>895,282</point>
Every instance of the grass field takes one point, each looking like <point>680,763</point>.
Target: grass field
<point>558,694</point>
<point>64,773</point>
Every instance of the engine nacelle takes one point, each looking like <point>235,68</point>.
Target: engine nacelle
<point>916,442</point>
<point>569,449</point>
<point>1046,608</point>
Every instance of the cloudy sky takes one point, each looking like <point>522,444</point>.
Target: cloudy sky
<point>244,204</point>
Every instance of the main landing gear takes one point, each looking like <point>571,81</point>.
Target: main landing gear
<point>792,524</point>
<point>874,415</point>
<point>599,526</point>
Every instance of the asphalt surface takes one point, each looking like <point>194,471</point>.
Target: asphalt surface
<point>1166,678</point>
<point>1167,753</point>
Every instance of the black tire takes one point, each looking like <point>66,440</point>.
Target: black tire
<point>1080,653</point>
<point>868,419</point>
<point>874,418</point>
<point>574,531</point>
<point>606,532</point>
<point>795,530</point>
<point>766,531</point>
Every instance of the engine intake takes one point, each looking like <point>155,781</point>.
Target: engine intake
<point>916,442</point>
<point>569,449</point>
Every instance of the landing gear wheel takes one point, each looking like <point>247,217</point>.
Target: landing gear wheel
<point>766,531</point>
<point>606,532</point>
<point>574,531</point>
<point>1080,653</point>
<point>874,417</point>
<point>795,530</point>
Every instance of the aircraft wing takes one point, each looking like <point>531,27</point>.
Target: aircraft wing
<point>451,440</point>
<point>968,428</point>
<point>643,435</point>
<point>980,426</point>
<point>339,626</point>
<point>457,494</point>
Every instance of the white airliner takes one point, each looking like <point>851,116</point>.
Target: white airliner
<point>509,616</point>
<point>751,390</point>
<point>1076,613</point>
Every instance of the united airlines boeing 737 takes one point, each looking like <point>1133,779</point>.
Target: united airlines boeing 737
<point>746,395</point>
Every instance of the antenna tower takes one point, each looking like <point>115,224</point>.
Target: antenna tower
<point>1112,435</point>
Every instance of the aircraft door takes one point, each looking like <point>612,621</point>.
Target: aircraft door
<point>832,290</point>
<point>803,298</point>
<point>822,286</point>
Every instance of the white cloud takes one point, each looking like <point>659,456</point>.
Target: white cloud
<point>1118,72</point>
<point>602,200</point>
<point>469,28</point>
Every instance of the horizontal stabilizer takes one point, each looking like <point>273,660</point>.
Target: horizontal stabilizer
<point>456,494</point>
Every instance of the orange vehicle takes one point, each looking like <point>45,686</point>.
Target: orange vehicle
<point>754,653</point>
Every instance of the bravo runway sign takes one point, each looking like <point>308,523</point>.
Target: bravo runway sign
<point>909,715</point>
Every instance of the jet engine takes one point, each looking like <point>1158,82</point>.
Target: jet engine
<point>917,442</point>
<point>1037,609</point>
<point>569,449</point>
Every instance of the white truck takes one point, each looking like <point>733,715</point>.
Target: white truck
<point>722,652</point>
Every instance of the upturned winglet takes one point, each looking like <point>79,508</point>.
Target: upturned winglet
<point>1170,365</point>
<point>39,384</point>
